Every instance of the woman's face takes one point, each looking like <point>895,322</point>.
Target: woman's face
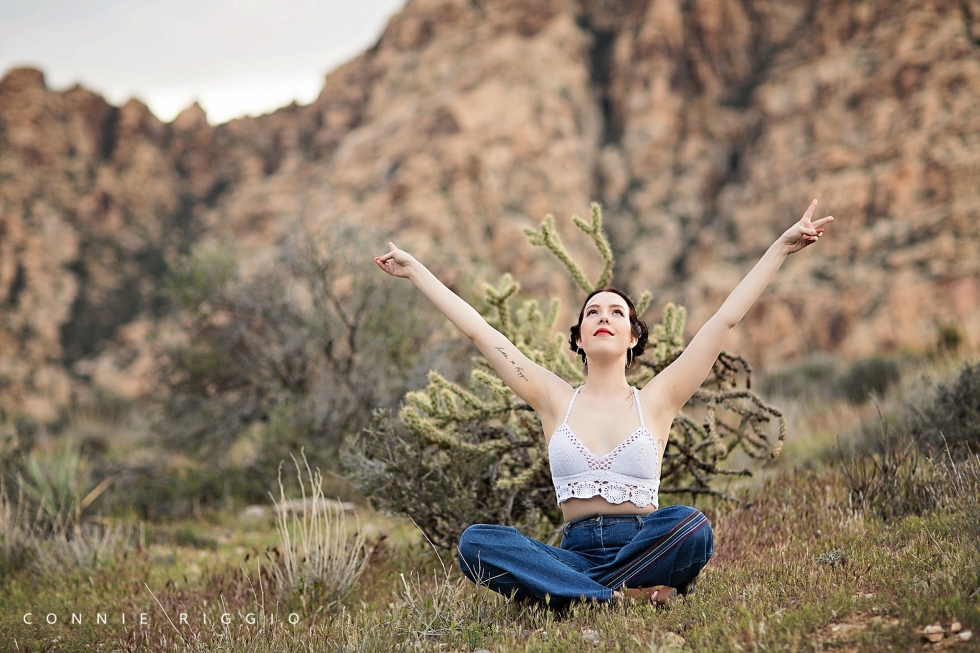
<point>606,326</point>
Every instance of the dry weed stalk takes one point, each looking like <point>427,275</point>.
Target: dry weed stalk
<point>317,557</point>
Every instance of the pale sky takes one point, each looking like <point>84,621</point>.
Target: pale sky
<point>235,57</point>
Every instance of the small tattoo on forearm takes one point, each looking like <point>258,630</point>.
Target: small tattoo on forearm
<point>520,370</point>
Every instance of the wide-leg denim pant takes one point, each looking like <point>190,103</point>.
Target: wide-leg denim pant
<point>598,554</point>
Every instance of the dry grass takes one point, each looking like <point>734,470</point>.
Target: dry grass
<point>317,559</point>
<point>803,568</point>
<point>29,540</point>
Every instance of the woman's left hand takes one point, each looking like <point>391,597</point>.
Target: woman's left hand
<point>804,232</point>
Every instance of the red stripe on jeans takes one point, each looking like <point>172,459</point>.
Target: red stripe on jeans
<point>683,530</point>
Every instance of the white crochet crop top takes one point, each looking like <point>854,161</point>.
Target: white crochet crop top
<point>630,472</point>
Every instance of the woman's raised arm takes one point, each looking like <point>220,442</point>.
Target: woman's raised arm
<point>538,386</point>
<point>681,379</point>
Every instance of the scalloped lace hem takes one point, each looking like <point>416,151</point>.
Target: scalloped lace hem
<point>638,495</point>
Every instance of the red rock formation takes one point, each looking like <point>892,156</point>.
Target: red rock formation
<point>703,126</point>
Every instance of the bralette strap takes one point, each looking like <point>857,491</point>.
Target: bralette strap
<point>572,401</point>
<point>639,409</point>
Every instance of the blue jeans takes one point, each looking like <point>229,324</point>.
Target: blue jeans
<point>598,554</point>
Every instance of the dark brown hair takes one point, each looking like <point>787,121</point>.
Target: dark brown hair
<point>638,326</point>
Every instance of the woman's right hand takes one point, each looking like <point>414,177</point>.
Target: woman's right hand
<point>397,262</point>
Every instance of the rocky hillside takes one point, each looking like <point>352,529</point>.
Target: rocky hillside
<point>704,127</point>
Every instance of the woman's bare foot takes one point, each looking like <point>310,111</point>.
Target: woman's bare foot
<point>659,595</point>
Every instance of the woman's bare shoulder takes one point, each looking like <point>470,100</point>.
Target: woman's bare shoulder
<point>559,394</point>
<point>654,399</point>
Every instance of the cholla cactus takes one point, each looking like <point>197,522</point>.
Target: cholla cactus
<point>458,456</point>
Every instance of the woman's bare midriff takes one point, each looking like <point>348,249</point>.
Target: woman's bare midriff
<point>574,509</point>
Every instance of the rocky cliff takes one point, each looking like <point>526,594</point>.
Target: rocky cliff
<point>704,127</point>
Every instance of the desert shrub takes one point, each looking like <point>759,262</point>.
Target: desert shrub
<point>314,330</point>
<point>888,475</point>
<point>824,377</point>
<point>57,487</point>
<point>459,455</point>
<point>952,418</point>
<point>297,354</point>
<point>30,538</point>
<point>172,486</point>
<point>868,376</point>
<point>815,377</point>
<point>949,338</point>
<point>445,489</point>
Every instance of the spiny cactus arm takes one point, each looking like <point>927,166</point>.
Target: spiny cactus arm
<point>499,298</point>
<point>420,401</point>
<point>483,414</point>
<point>548,237</point>
<point>444,406</point>
<point>685,433</point>
<point>491,381</point>
<point>697,465</point>
<point>726,369</point>
<point>749,434</point>
<point>640,376</point>
<point>754,415</point>
<point>690,430</point>
<point>438,380</point>
<point>601,242</point>
<point>551,315</point>
<point>703,480</point>
<point>428,431</point>
<point>559,362</point>
<point>643,303</point>
<point>525,325</point>
<point>431,432</point>
<point>666,338</point>
<point>657,365</point>
<point>524,476</point>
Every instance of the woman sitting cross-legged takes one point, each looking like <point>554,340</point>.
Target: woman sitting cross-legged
<point>606,443</point>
